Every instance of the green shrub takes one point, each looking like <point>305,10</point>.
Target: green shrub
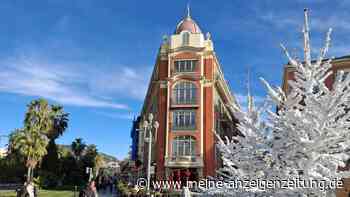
<point>48,180</point>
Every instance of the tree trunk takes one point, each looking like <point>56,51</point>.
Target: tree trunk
<point>97,172</point>
<point>29,174</point>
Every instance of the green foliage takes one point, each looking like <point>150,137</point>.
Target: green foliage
<point>63,151</point>
<point>38,117</point>
<point>69,171</point>
<point>35,144</point>
<point>126,190</point>
<point>78,146</point>
<point>90,155</point>
<point>42,193</point>
<point>31,144</point>
<point>59,122</point>
<point>12,169</point>
<point>50,161</point>
<point>42,124</point>
<point>47,179</point>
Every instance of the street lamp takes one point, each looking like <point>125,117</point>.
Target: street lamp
<point>149,126</point>
<point>89,172</point>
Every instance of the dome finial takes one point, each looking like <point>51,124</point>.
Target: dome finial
<point>188,10</point>
<point>187,23</point>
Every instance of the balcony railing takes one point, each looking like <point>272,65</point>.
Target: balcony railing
<point>184,101</point>
<point>184,128</point>
<point>183,158</point>
<point>184,161</point>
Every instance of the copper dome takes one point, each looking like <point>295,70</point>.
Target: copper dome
<point>187,24</point>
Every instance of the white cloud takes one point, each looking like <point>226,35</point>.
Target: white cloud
<point>57,82</point>
<point>124,82</point>
<point>320,22</point>
<point>337,22</point>
<point>278,20</point>
<point>126,116</point>
<point>319,25</point>
<point>339,50</point>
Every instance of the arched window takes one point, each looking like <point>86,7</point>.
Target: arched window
<point>184,146</point>
<point>184,93</point>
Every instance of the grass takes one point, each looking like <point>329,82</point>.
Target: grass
<point>42,193</point>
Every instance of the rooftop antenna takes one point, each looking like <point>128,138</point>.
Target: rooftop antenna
<point>188,10</point>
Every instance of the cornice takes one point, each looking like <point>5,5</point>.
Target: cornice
<point>187,48</point>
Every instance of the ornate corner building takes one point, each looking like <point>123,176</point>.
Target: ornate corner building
<point>188,96</point>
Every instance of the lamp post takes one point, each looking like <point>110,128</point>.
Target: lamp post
<point>149,126</point>
<point>89,172</point>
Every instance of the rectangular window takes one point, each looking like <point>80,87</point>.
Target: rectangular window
<point>184,120</point>
<point>183,146</point>
<point>175,148</point>
<point>185,65</point>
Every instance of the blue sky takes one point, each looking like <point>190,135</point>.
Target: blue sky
<point>95,57</point>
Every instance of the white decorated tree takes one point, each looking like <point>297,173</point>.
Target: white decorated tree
<point>311,129</point>
<point>308,136</point>
<point>245,156</point>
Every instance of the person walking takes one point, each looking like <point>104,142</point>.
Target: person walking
<point>110,183</point>
<point>28,190</point>
<point>90,190</point>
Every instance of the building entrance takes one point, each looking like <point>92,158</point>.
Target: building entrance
<point>184,174</point>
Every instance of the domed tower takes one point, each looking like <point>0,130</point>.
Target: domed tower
<point>187,95</point>
<point>188,34</point>
<point>187,24</point>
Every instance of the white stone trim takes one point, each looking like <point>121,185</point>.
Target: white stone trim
<point>167,112</point>
<point>202,106</point>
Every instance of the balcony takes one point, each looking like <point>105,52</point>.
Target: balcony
<point>184,101</point>
<point>184,161</point>
<point>184,104</point>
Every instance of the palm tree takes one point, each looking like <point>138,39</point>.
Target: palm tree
<point>38,117</point>
<point>42,124</point>
<point>50,120</point>
<point>31,144</point>
<point>78,147</point>
<point>31,141</point>
<point>59,122</point>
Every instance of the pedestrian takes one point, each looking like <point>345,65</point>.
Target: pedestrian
<point>31,189</point>
<point>103,182</point>
<point>110,182</point>
<point>90,190</point>
<point>22,192</point>
<point>97,183</point>
<point>28,190</point>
